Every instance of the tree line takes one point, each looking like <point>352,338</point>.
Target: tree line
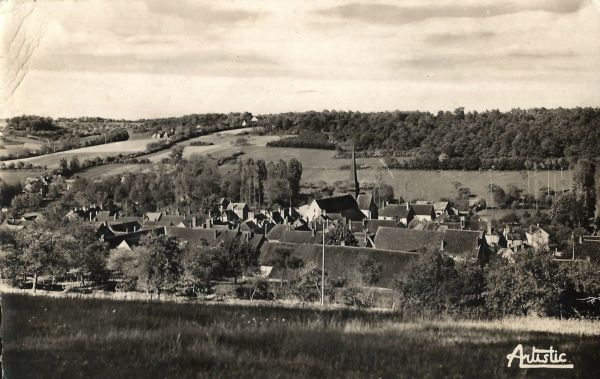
<point>458,139</point>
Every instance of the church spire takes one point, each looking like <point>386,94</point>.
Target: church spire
<point>354,174</point>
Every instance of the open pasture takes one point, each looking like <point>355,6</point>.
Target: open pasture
<point>81,338</point>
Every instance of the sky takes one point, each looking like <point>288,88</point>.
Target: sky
<point>141,59</point>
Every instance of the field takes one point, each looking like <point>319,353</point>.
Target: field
<point>61,337</point>
<point>13,177</point>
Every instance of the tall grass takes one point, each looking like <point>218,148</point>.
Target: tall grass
<point>65,337</point>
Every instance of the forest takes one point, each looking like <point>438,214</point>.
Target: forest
<point>458,139</point>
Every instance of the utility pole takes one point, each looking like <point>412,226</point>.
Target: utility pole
<point>548,188</point>
<point>323,269</point>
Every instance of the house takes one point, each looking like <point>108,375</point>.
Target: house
<point>458,244</point>
<point>367,205</point>
<point>338,260</point>
<point>397,212</point>
<point>408,240</point>
<point>585,248</point>
<point>240,209</point>
<point>424,212</point>
<point>344,206</point>
<point>466,244</point>
<point>442,208</point>
<point>514,239</point>
<point>538,238</point>
<point>223,203</point>
<point>130,239</point>
<point>203,237</point>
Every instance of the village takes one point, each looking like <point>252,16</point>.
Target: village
<point>387,233</point>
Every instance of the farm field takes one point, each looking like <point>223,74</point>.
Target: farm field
<point>13,177</point>
<point>104,150</point>
<point>321,166</point>
<point>62,337</point>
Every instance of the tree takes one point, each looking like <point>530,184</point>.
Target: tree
<point>283,261</point>
<point>85,254</point>
<point>176,154</point>
<point>370,270</point>
<point>158,262</point>
<point>200,266</point>
<point>37,251</point>
<point>340,235</point>
<point>533,283</point>
<point>430,283</point>
<point>308,286</point>
<point>567,210</point>
<point>239,258</point>
<point>74,165</point>
<point>63,166</point>
<point>294,177</point>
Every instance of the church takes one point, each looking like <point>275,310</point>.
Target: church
<point>355,206</point>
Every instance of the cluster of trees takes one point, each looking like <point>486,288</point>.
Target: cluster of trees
<point>20,165</point>
<point>473,137</point>
<point>444,162</point>
<point>30,124</point>
<point>306,140</point>
<point>162,263</point>
<point>276,182</point>
<point>157,264</point>
<point>532,283</point>
<point>194,186</point>
<point>209,122</point>
<point>68,142</point>
<point>53,249</point>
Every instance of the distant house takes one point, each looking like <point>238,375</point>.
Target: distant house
<point>442,208</point>
<point>130,239</point>
<point>367,205</point>
<point>459,244</point>
<point>240,209</point>
<point>344,207</point>
<point>538,238</point>
<point>401,212</point>
<point>337,260</point>
<point>223,203</point>
<point>585,248</point>
<point>408,240</point>
<point>514,238</point>
<point>424,212</point>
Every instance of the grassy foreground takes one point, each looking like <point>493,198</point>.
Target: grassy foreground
<point>62,337</point>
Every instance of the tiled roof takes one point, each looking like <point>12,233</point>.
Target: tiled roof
<point>131,238</point>
<point>197,236</point>
<point>395,210</point>
<point>423,209</point>
<point>462,242</point>
<point>341,260</point>
<point>400,239</point>
<point>364,201</point>
<point>337,204</point>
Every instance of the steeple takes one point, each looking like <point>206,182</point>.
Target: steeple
<point>354,175</point>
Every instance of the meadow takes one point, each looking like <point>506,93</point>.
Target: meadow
<point>67,337</point>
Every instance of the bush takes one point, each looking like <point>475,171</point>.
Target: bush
<point>259,290</point>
